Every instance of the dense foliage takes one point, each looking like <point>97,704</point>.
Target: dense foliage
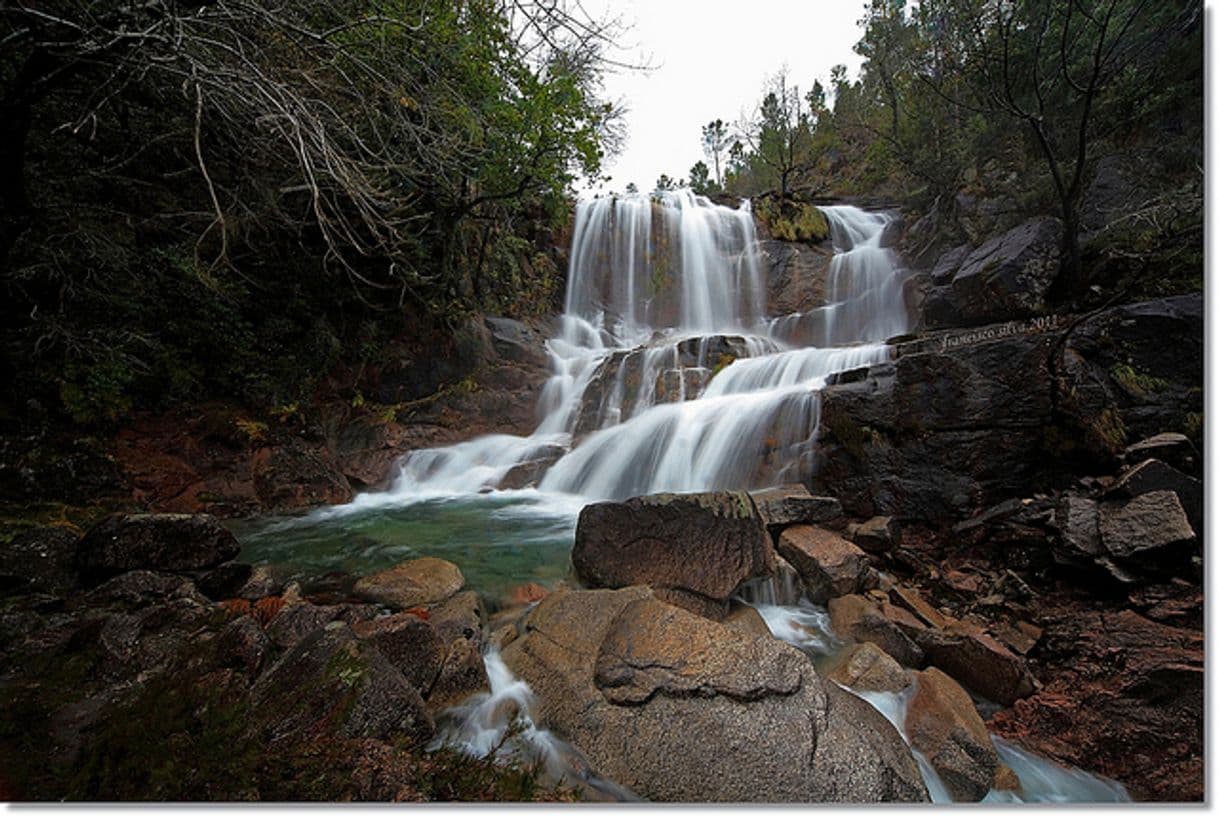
<point>1016,101</point>
<point>218,197</point>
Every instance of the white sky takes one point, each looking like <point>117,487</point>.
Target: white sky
<point>712,59</point>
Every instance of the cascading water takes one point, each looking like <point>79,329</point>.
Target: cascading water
<point>667,374</point>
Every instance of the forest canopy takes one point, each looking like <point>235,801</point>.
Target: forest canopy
<point>211,196</point>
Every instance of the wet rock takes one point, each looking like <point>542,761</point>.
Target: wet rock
<point>331,682</point>
<point>40,559</point>
<point>225,581</point>
<point>912,600</point>
<point>783,506</point>
<point>948,264</point>
<point>1124,694</point>
<point>1150,475</point>
<point>1007,277</point>
<point>461,616</point>
<point>417,582</point>
<point>856,619</point>
<point>979,662</point>
<point>242,644</point>
<point>878,534</point>
<point>1006,779</point>
<point>942,430</point>
<point>295,475</point>
<point>946,427</point>
<point>296,621</point>
<point>829,565</point>
<point>1145,525</point>
<point>1173,448</point>
<point>459,622</point>
<point>517,342</point>
<point>462,675</point>
<point>529,472</point>
<point>747,620</point>
<point>529,593</point>
<point>866,667</point>
<point>409,643</point>
<point>366,449</point>
<point>1077,520</point>
<point>796,275</point>
<point>706,543</point>
<point>943,724</point>
<point>613,670</point>
<point>167,542</point>
<point>264,580</point>
<point>140,588</point>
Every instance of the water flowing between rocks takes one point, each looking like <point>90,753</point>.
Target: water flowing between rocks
<point>667,375</point>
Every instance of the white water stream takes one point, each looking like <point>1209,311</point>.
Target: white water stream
<point>667,374</point>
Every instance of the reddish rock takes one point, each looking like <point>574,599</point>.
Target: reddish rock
<point>879,534</point>
<point>943,724</point>
<point>856,619</point>
<point>979,662</point>
<point>1124,698</point>
<point>829,565</point>
<point>866,667</point>
<point>909,598</point>
<point>529,593</point>
<point>416,582</point>
<point>296,475</point>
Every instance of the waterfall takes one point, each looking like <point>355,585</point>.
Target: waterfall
<point>667,373</point>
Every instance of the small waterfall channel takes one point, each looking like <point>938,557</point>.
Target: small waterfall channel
<point>667,375</point>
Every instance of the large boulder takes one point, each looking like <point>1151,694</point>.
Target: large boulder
<point>1007,277</point>
<point>331,682</point>
<point>943,428</point>
<point>459,623</point>
<point>942,722</point>
<point>707,544</point>
<point>168,542</point>
<point>614,670</point>
<point>409,643</point>
<point>947,427</point>
<point>829,565</point>
<point>417,582</point>
<point>1133,372</point>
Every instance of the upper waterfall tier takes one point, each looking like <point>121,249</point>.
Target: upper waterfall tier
<point>675,261</point>
<point>667,373</point>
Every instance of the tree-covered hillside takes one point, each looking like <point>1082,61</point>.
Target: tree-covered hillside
<point>223,198</point>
